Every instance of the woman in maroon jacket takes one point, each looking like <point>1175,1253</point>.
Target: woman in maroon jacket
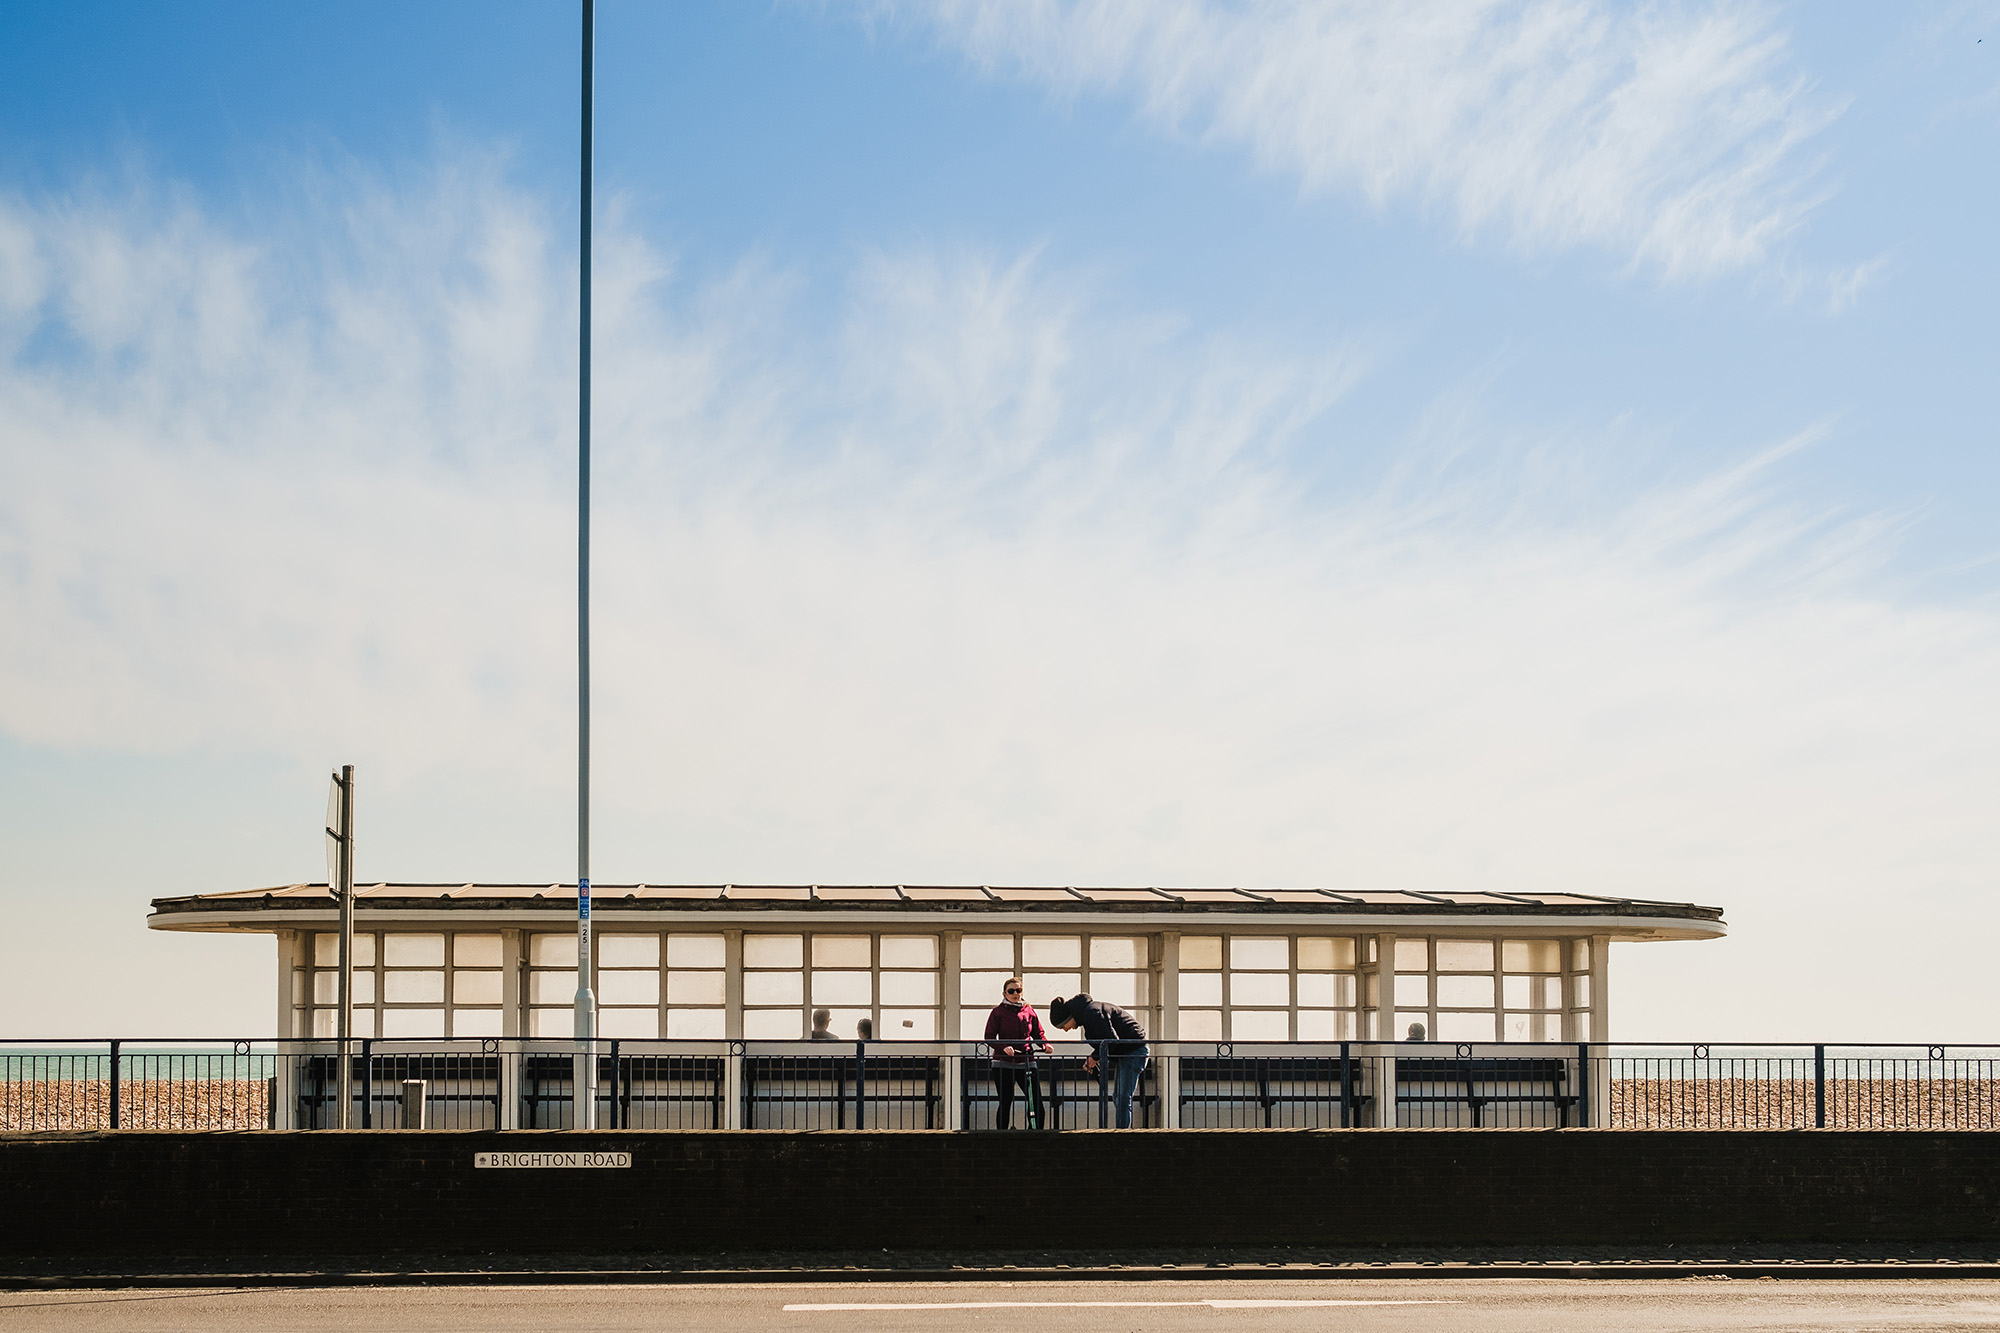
<point>1013,1036</point>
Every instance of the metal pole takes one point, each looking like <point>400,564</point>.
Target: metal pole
<point>344,891</point>
<point>1819,1087</point>
<point>586,1003</point>
<point>114,1085</point>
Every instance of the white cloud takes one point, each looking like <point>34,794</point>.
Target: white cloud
<point>1668,134</point>
<point>1001,582</point>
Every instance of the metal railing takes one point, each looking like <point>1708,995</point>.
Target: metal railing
<point>637,1084</point>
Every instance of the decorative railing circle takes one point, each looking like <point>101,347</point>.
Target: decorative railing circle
<point>1701,1050</point>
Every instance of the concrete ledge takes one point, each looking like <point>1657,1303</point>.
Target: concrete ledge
<point>100,1202</point>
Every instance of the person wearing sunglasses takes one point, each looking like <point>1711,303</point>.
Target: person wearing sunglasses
<point>1014,1036</point>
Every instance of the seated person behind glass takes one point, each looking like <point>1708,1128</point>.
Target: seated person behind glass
<point>821,1017</point>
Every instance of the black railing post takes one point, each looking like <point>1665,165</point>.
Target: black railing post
<point>1583,1085</point>
<point>617,1085</point>
<point>1103,1085</point>
<point>114,1085</point>
<point>367,1083</point>
<point>1346,1083</point>
<point>1819,1087</point>
<point>860,1079</point>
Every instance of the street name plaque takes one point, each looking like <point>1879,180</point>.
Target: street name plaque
<point>550,1161</point>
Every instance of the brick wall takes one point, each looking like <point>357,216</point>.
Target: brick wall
<point>383,1192</point>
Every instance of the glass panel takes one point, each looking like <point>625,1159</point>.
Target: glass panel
<point>910,951</point>
<point>628,1022</point>
<point>696,951</point>
<point>1257,1025</point>
<point>982,988</point>
<point>1045,986</point>
<point>1051,951</point>
<point>475,950</point>
<point>842,987</point>
<point>1582,985</point>
<point>1201,1024</point>
<point>1322,990</point>
<point>1465,955</point>
<point>551,988</point>
<point>909,988</point>
<point>1259,988</point>
<point>552,950</point>
<point>475,987</point>
<point>326,951</point>
<point>1413,955</point>
<point>1110,952</point>
<point>986,951</point>
<point>841,951</point>
<point>774,1024</point>
<point>774,951</point>
<point>1531,955</point>
<point>1326,1025</point>
<point>1531,1027</point>
<point>1465,1027</point>
<point>1583,1028</point>
<point>1201,953</point>
<point>1552,993</point>
<point>415,1022</point>
<point>908,1025</point>
<point>697,1024</point>
<point>1124,988</point>
<point>415,988</point>
<point>1323,955</point>
<point>414,951</point>
<point>1579,955</point>
<point>709,987</point>
<point>1262,952</point>
<point>475,1022</point>
<point>1413,992</point>
<point>1517,992</point>
<point>634,987</point>
<point>1201,988</point>
<point>972,1024</point>
<point>326,987</point>
<point>551,1023</point>
<point>628,950</point>
<point>1465,992</point>
<point>1374,990</point>
<point>768,988</point>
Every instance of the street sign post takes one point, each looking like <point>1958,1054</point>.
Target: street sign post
<point>340,881</point>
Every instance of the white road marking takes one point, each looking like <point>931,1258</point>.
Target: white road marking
<point>1091,1305</point>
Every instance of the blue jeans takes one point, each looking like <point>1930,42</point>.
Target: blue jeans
<point>1125,1071</point>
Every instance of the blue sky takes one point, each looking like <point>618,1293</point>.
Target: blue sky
<point>1521,445</point>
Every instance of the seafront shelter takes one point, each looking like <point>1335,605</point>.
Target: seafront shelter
<point>925,963</point>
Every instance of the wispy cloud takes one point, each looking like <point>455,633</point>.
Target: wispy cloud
<point>996,581</point>
<point>1666,134</point>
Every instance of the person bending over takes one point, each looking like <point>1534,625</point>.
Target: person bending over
<point>1013,1036</point>
<point>1116,1035</point>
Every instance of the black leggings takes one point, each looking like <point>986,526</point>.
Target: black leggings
<point>1005,1080</point>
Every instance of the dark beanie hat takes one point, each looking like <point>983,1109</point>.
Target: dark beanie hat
<point>1059,1011</point>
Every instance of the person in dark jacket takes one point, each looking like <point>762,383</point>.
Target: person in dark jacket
<point>1014,1035</point>
<point>1116,1036</point>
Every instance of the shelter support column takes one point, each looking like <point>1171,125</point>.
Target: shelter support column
<point>1167,1074</point>
<point>1385,1086</point>
<point>284,1063</point>
<point>513,965</point>
<point>732,1027</point>
<point>948,997</point>
<point>1600,1031</point>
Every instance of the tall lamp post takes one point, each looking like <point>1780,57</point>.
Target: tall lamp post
<point>585,1080</point>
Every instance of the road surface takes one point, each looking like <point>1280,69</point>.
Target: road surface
<point>1534,1305</point>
